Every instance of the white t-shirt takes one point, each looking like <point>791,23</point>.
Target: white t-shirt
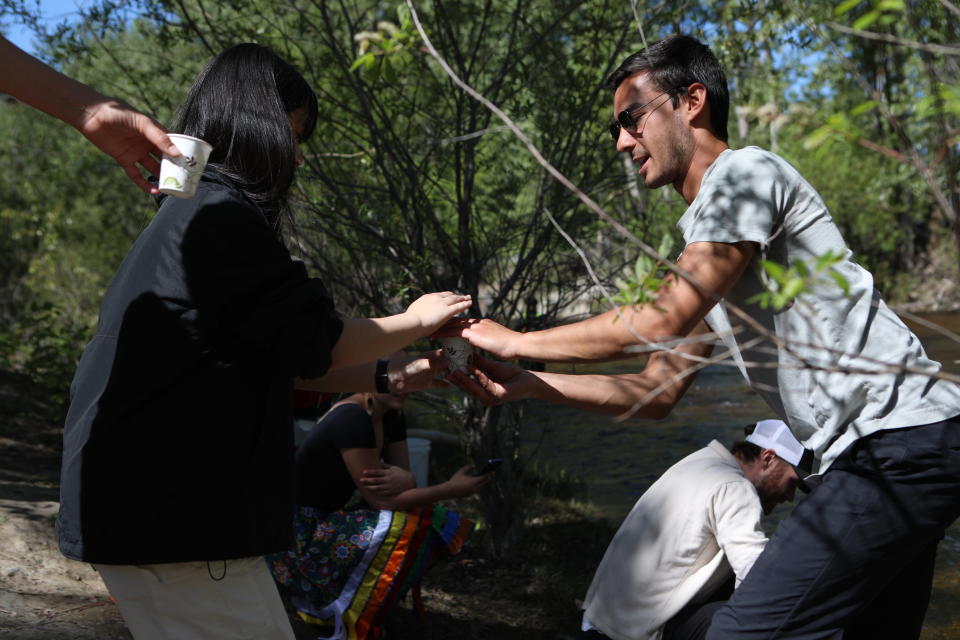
<point>698,522</point>
<point>754,195</point>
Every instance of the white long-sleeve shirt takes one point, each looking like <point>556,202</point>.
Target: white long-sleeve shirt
<point>698,522</point>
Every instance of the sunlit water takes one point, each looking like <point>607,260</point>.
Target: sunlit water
<point>618,461</point>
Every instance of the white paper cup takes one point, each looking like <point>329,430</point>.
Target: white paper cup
<point>180,176</point>
<point>457,352</point>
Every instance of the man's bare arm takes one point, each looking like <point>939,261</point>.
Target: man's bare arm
<point>679,308</point>
<point>131,138</point>
<point>657,389</point>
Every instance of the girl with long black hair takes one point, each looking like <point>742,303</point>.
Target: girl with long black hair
<point>177,466</point>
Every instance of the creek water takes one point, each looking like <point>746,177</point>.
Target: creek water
<point>618,461</point>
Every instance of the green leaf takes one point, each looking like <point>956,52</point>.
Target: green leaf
<point>793,288</point>
<point>666,245</point>
<point>845,7</point>
<point>892,5</point>
<point>840,280</point>
<point>371,70</point>
<point>863,107</point>
<point>826,260</point>
<point>773,269</point>
<point>389,73</point>
<point>867,19</point>
<point>818,137</point>
<point>405,17</point>
<point>642,266</point>
<point>363,60</point>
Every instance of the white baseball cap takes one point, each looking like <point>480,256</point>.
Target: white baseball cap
<point>776,435</point>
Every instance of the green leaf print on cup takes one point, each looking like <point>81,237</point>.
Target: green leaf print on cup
<point>170,181</point>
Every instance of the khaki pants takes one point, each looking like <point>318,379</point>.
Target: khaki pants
<point>182,601</point>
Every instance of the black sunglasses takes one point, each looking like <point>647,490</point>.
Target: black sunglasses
<point>628,121</point>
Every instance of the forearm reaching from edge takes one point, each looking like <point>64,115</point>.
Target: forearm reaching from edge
<point>31,81</point>
<point>679,307</point>
<point>366,339</point>
<point>134,140</point>
<point>657,389</point>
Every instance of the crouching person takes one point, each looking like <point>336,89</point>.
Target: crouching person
<point>692,537</point>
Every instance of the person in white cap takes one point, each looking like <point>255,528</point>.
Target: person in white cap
<point>692,537</point>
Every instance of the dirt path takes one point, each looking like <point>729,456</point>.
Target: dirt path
<point>42,594</point>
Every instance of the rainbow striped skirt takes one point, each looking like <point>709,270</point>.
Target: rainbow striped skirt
<point>348,568</point>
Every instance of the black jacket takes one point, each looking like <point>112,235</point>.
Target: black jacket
<point>178,444</point>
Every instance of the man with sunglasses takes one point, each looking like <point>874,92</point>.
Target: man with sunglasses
<point>855,558</point>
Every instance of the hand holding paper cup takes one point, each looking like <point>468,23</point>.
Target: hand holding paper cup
<point>180,176</point>
<point>457,352</point>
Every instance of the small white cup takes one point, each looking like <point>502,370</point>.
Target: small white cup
<point>180,176</point>
<point>457,351</point>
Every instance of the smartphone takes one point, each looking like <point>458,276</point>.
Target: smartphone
<point>488,466</point>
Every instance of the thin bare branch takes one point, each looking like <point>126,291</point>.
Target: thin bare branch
<point>951,7</point>
<point>358,154</point>
<point>886,151</point>
<point>636,16</point>
<point>475,134</point>
<point>922,168</point>
<point>892,39</point>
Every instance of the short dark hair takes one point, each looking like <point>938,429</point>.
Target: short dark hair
<point>240,104</point>
<point>677,62</point>
<point>747,451</point>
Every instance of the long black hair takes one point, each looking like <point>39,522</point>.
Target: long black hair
<point>240,104</point>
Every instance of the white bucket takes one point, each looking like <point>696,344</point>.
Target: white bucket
<point>419,449</point>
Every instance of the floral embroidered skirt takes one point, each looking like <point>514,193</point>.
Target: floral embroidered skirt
<point>349,568</point>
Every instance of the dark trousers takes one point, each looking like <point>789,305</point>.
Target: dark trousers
<point>855,558</point>
<point>692,622</point>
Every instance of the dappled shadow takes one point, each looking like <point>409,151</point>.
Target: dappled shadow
<point>403,624</point>
<point>30,440</point>
<point>27,616</point>
<point>535,594</point>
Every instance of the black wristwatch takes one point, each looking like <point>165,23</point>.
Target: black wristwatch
<point>380,380</point>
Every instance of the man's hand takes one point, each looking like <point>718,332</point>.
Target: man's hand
<point>493,382</point>
<point>388,480</point>
<point>484,334</point>
<point>433,310</point>
<point>129,137</point>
